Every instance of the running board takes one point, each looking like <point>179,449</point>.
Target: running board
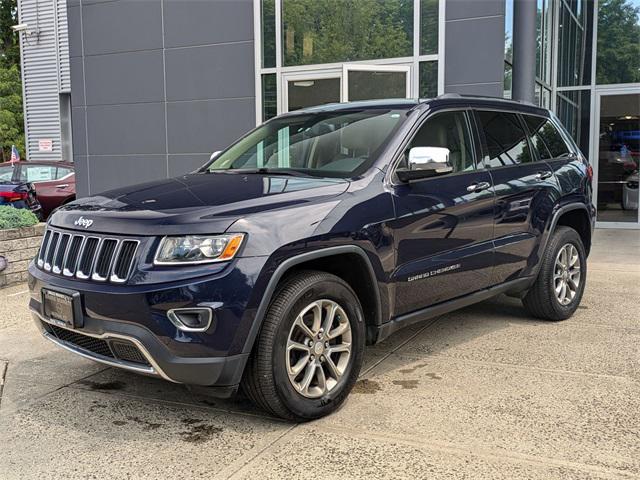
<point>383,331</point>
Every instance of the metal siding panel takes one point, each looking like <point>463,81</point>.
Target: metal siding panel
<point>45,71</point>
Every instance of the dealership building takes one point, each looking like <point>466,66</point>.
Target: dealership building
<point>137,90</point>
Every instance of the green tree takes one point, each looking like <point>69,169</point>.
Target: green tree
<point>618,59</point>
<point>11,116</point>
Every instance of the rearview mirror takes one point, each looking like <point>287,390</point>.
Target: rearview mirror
<point>425,162</point>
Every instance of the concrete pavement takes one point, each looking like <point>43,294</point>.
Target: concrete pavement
<point>485,392</point>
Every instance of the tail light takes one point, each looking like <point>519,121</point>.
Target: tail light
<point>590,172</point>
<point>13,196</point>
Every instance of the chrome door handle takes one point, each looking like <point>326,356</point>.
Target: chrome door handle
<point>478,187</point>
<point>543,175</point>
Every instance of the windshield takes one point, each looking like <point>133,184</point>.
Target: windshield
<point>328,144</point>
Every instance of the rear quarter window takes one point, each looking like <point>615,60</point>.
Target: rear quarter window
<point>546,138</point>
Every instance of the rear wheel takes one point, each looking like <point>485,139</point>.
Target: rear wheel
<point>558,289</point>
<point>309,351</point>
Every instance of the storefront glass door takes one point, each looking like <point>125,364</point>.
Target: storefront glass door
<point>617,158</point>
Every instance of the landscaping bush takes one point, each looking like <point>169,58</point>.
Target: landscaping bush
<point>11,217</point>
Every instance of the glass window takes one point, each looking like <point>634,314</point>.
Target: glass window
<point>38,173</point>
<point>546,138</point>
<point>506,141</point>
<point>575,35</point>
<point>269,97</point>
<point>429,27</point>
<point>372,85</point>
<point>448,130</point>
<point>330,31</point>
<point>618,52</point>
<point>428,79</point>
<point>508,80</point>
<point>325,144</point>
<point>573,109</point>
<point>307,93</point>
<point>508,31</point>
<point>62,172</point>
<point>268,33</point>
<point>6,172</point>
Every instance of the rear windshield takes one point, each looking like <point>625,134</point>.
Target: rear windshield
<point>328,144</point>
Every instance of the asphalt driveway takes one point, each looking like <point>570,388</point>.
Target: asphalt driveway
<point>485,392</point>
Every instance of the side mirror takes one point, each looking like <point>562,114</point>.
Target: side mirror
<point>425,162</point>
<point>214,155</point>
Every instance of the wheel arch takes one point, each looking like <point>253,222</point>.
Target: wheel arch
<point>576,216</point>
<point>327,260</point>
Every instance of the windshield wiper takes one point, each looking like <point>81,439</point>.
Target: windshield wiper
<point>291,172</point>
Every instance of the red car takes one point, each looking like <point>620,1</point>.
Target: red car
<point>55,182</point>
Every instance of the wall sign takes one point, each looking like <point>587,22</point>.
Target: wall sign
<point>45,145</point>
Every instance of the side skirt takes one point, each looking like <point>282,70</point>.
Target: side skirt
<point>398,323</point>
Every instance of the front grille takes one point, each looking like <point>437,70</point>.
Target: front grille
<point>93,345</point>
<point>113,349</point>
<point>87,257</point>
<point>128,352</point>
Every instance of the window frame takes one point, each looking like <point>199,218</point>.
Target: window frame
<point>392,177</point>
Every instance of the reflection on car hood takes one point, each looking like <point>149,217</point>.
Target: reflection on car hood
<point>205,202</point>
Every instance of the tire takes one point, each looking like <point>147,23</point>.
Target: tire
<point>542,300</point>
<point>267,379</point>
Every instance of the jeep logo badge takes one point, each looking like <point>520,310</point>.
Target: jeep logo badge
<point>83,222</point>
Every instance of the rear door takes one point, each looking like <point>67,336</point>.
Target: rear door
<point>525,188</point>
<point>443,229</point>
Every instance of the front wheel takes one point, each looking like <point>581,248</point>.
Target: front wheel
<point>557,291</point>
<point>309,350</point>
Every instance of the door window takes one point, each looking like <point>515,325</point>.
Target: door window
<point>62,172</point>
<point>448,130</point>
<point>546,138</point>
<point>506,141</point>
<point>38,173</point>
<point>309,92</point>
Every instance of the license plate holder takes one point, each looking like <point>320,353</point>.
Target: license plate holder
<point>62,307</point>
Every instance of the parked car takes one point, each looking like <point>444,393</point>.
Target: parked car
<point>16,193</point>
<point>320,231</point>
<point>55,182</point>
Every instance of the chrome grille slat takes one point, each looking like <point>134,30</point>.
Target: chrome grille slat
<point>51,250</point>
<point>85,257</point>
<point>61,252</point>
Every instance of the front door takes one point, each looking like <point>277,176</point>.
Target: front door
<point>443,229</point>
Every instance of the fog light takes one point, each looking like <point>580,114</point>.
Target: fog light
<point>191,319</point>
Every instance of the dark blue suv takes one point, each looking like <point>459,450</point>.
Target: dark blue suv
<point>319,232</point>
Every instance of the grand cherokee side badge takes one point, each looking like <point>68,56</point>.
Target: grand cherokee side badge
<point>83,222</point>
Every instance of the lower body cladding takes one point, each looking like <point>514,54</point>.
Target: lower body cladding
<point>192,334</point>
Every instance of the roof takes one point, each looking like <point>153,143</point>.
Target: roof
<point>40,162</point>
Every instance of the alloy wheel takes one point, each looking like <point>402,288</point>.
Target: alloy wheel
<point>318,348</point>
<point>566,274</point>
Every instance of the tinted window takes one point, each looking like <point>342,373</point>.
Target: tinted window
<point>448,130</point>
<point>546,138</point>
<point>328,144</point>
<point>506,141</point>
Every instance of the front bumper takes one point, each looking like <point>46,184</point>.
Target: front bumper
<point>126,326</point>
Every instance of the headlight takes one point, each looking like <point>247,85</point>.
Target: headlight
<point>192,249</point>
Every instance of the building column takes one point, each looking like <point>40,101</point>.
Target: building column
<point>524,50</point>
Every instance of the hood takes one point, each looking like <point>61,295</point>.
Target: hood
<point>198,203</point>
